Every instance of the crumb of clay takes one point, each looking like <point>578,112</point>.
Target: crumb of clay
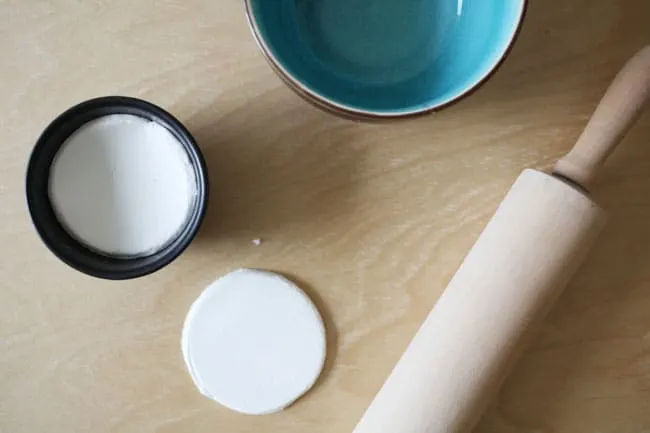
<point>257,242</point>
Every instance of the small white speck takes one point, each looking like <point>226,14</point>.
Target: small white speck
<point>257,242</point>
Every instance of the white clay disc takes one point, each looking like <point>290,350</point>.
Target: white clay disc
<point>254,342</point>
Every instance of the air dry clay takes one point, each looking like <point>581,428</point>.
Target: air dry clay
<point>254,342</point>
<point>123,186</point>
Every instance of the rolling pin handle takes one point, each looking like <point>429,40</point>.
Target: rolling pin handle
<point>622,104</point>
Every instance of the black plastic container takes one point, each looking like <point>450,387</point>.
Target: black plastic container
<point>57,239</point>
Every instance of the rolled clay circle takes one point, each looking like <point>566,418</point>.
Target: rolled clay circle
<point>254,342</point>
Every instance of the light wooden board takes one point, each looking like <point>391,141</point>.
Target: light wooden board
<point>372,220</point>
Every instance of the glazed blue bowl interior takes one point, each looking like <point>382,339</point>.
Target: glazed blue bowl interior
<point>386,56</point>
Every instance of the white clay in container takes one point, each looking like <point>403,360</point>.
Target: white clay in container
<point>122,185</point>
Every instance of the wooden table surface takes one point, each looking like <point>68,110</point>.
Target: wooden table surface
<point>372,220</point>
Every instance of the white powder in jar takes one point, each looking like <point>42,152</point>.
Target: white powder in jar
<point>122,185</point>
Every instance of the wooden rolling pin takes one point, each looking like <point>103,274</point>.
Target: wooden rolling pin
<point>520,264</point>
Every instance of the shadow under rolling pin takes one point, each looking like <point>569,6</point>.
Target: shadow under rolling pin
<point>520,264</point>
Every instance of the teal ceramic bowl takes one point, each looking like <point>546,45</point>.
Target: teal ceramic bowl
<point>384,59</point>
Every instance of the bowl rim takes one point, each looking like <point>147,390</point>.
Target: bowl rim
<point>350,113</point>
<point>52,233</point>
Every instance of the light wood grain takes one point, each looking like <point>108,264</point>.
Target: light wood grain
<point>372,220</point>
